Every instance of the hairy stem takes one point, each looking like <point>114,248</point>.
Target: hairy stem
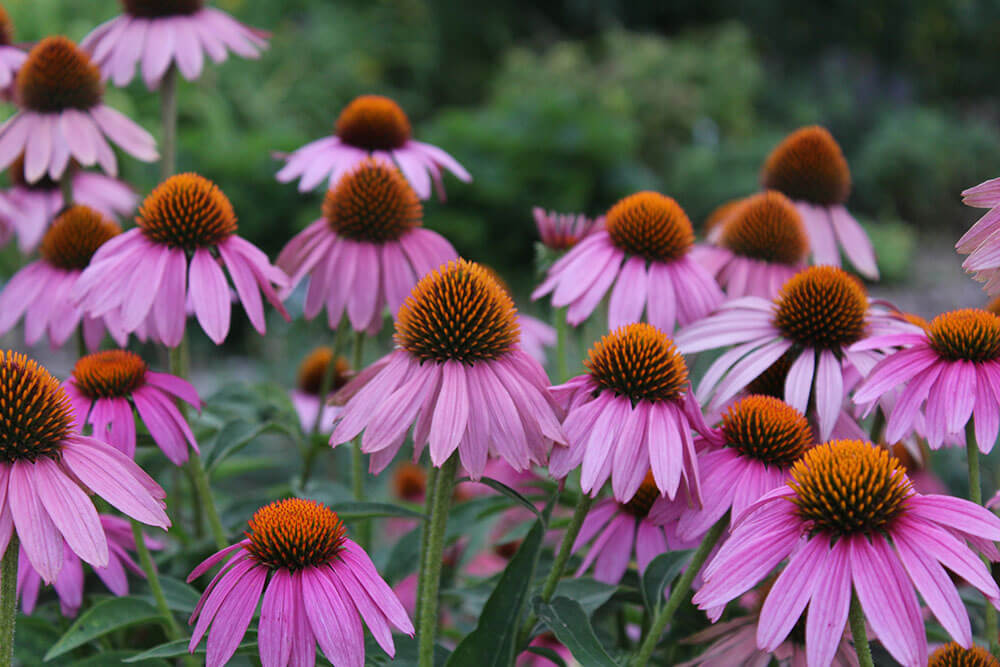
<point>976,496</point>
<point>8,601</point>
<point>438,506</point>
<point>153,577</point>
<point>856,619</point>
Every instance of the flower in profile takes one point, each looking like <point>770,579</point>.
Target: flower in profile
<point>980,243</point>
<point>181,225</point>
<point>370,126</point>
<point>954,655</point>
<point>29,208</point>
<point>849,519</point>
<point>809,167</point>
<point>952,369</point>
<point>158,34</point>
<point>62,116</point>
<point>318,586</point>
<point>11,57</point>
<point>306,397</point>
<point>761,245</point>
<point>40,292</point>
<point>47,470</point>
<point>69,584</point>
<point>562,231</point>
<point>645,246</point>
<point>458,376</point>
<point>367,251</point>
<point>631,412</point>
<point>818,315</point>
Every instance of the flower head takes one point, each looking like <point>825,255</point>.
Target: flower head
<point>954,655</point>
<point>980,242</point>
<point>562,231</point>
<point>11,57</point>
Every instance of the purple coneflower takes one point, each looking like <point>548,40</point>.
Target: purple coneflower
<point>306,395</point>
<point>367,251</point>
<point>370,126</point>
<point>645,246</point>
<point>11,57</point>
<point>62,117</point>
<point>953,655</point>
<point>850,520</point>
<point>318,587</point>
<point>562,231</point>
<point>980,243</point>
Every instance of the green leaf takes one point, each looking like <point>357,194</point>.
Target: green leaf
<point>548,654</point>
<point>180,596</point>
<point>104,617</point>
<point>406,653</point>
<point>658,575</point>
<point>105,658</point>
<point>571,626</point>
<point>363,510</point>
<point>499,486</point>
<point>231,438</point>
<point>179,648</point>
<point>591,594</point>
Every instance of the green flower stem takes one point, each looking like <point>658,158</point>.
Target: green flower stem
<point>153,577</point>
<point>976,496</point>
<point>358,472</point>
<point>425,529</point>
<point>562,336</point>
<point>66,187</point>
<point>8,601</point>
<point>680,591</point>
<point>168,122</point>
<point>856,619</point>
<point>438,506</point>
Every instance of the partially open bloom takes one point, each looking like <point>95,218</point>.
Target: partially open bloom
<point>954,655</point>
<point>40,292</point>
<point>306,396</point>
<point>849,519</point>
<point>156,34</point>
<point>367,251</point>
<point>11,57</point>
<point>458,376</point>
<point>562,231</point>
<point>817,316</point>
<point>182,225</point>
<point>952,368</point>
<point>62,116</point>
<point>809,167</point>
<point>371,126</point>
<point>47,470</point>
<point>645,247</point>
<point>318,586</point>
<point>982,242</point>
<point>69,583</point>
<point>633,411</point>
<point>761,245</point>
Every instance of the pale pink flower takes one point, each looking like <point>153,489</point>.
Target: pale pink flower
<point>982,242</point>
<point>11,57</point>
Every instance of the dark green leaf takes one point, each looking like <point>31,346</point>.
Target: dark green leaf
<point>658,575</point>
<point>231,438</point>
<point>548,654</point>
<point>105,658</point>
<point>589,593</point>
<point>361,510</point>
<point>406,653</point>
<point>179,648</point>
<point>180,596</point>
<point>571,626</point>
<point>499,486</point>
<point>104,617</point>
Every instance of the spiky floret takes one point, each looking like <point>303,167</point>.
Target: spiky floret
<point>458,313</point>
<point>35,413</point>
<point>374,123</point>
<point>151,9</point>
<point>822,307</point>
<point>849,487</point>
<point>644,498</point>
<point>808,165</point>
<point>372,203</point>
<point>6,28</point>
<point>109,374</point>
<point>187,211</point>
<point>953,655</point>
<point>58,75</point>
<point>650,225</point>
<point>409,482</point>
<point>75,236</point>
<point>767,227</point>
<point>966,335</point>
<point>767,429</point>
<point>638,361</point>
<point>772,381</point>
<point>721,214</point>
<point>294,533</point>
<point>314,367</point>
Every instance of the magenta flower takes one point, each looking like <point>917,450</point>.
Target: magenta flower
<point>306,395</point>
<point>62,116</point>
<point>645,246</point>
<point>156,34</point>
<point>181,225</point>
<point>817,316</point>
<point>39,293</point>
<point>318,586</point>
<point>69,583</point>
<point>809,167</point>
<point>632,412</point>
<point>562,231</point>
<point>980,243</point>
<point>850,519</point>
<point>370,126</point>
<point>11,57</point>
<point>458,376</point>
<point>367,251</point>
<point>47,471</point>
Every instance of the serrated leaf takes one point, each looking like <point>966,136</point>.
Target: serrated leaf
<point>104,617</point>
<point>571,626</point>
<point>658,575</point>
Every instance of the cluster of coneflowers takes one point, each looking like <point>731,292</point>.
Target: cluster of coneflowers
<point>795,470</point>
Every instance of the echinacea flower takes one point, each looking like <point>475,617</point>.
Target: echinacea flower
<point>47,470</point>
<point>367,251</point>
<point>536,335</point>
<point>183,226</point>
<point>11,57</point>
<point>29,208</point>
<point>631,412</point>
<point>982,242</point>
<point>106,386</point>
<point>809,167</point>
<point>850,520</point>
<point>952,369</point>
<point>953,655</point>
<point>644,246</point>
<point>62,116</point>
<point>156,34</point>
<point>370,126</point>
<point>318,587</point>
<point>562,231</point>
<point>818,315</point>
<point>306,397</point>
<point>40,292</point>
<point>761,245</point>
<point>720,215</point>
<point>69,584</point>
<point>458,376</point>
